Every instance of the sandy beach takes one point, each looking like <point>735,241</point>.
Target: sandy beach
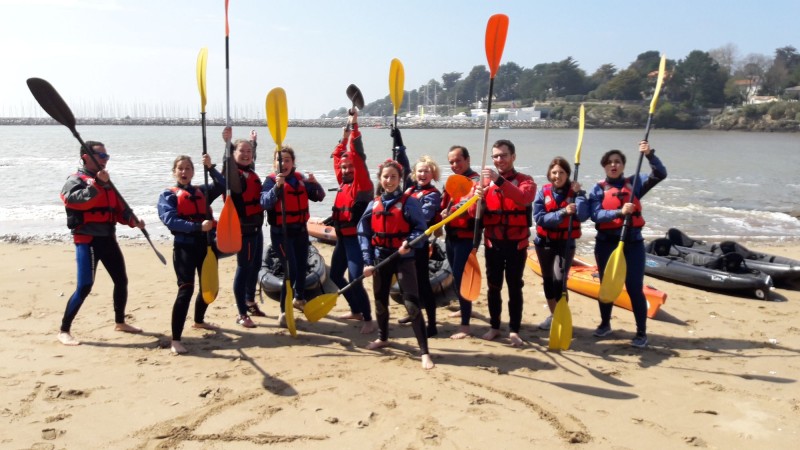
<point>720,372</point>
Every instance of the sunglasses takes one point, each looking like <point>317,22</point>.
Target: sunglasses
<point>102,156</point>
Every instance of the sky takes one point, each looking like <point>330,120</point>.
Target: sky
<point>108,55</point>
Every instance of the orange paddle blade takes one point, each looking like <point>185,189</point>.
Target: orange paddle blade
<point>229,229</point>
<point>470,287</point>
<point>227,31</point>
<point>458,185</point>
<point>496,31</point>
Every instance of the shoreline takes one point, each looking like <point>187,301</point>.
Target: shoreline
<point>719,370</point>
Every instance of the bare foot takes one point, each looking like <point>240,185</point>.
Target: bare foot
<point>491,334</point>
<point>455,314</point>
<point>178,348</point>
<point>516,341</point>
<point>67,339</point>
<point>427,362</point>
<point>126,328</point>
<point>351,316</point>
<point>368,328</point>
<point>376,344</point>
<point>206,326</point>
<point>463,332</point>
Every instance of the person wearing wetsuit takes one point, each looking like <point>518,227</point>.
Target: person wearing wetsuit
<point>184,210</point>
<point>93,210</point>
<point>506,219</point>
<point>291,189</point>
<point>556,205</point>
<point>459,234</point>
<point>353,196</point>
<point>609,203</point>
<point>389,224</point>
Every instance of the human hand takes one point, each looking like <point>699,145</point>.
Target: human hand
<point>279,180</point>
<point>644,147</point>
<point>404,248</point>
<point>368,271</point>
<point>628,208</point>
<point>310,177</point>
<point>103,176</point>
<point>570,209</point>
<point>139,224</point>
<point>576,186</point>
<point>489,173</point>
<point>207,225</point>
<point>253,135</point>
<point>479,191</point>
<point>227,134</point>
<point>207,160</point>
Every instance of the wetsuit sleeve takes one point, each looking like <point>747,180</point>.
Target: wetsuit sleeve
<point>582,203</point>
<point>412,212</point>
<point>270,194</point>
<point>362,184</point>
<point>216,188</point>
<point>168,213</point>
<point>315,191</point>
<point>657,173</point>
<point>431,205</point>
<point>365,236</point>
<point>540,216</point>
<point>596,211</point>
<point>402,158</point>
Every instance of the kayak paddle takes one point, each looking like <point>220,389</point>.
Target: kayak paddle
<point>496,31</point>
<point>396,81</point>
<point>209,273</point>
<point>616,268</point>
<point>278,122</point>
<point>457,186</point>
<point>561,326</point>
<point>50,100</point>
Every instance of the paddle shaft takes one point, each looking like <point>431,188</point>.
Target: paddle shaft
<point>565,270</point>
<point>626,224</point>
<point>476,240</point>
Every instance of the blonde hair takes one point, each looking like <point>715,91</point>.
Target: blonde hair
<point>428,161</point>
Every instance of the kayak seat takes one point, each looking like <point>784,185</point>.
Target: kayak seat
<point>660,247</point>
<point>729,262</point>
<point>733,247</point>
<point>678,237</point>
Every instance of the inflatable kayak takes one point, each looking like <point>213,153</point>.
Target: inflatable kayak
<point>726,273</point>
<point>271,275</point>
<point>439,269</point>
<point>323,233</point>
<point>584,279</point>
<point>785,272</point>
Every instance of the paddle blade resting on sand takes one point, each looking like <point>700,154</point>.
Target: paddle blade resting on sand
<point>320,306</point>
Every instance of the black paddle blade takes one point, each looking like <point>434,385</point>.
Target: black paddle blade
<point>354,94</point>
<point>51,102</point>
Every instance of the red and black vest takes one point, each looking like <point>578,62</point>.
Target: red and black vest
<point>614,198</point>
<point>550,205</point>
<point>389,227</point>
<point>251,193</point>
<point>343,219</point>
<point>420,194</point>
<point>191,205</point>
<point>503,218</point>
<point>106,204</point>
<point>296,200</point>
<point>463,226</point>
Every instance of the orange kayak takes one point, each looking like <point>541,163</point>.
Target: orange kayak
<point>584,279</point>
<point>324,233</point>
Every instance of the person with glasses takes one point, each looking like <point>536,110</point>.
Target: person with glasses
<point>93,210</point>
<point>610,201</point>
<point>507,217</point>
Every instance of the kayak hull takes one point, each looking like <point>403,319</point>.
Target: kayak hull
<point>271,275</point>
<point>322,233</point>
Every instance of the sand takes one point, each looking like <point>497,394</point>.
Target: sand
<point>720,372</point>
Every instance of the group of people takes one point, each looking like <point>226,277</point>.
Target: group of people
<point>372,223</point>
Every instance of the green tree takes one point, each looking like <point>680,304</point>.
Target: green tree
<point>698,80</point>
<point>626,85</point>
<point>506,83</point>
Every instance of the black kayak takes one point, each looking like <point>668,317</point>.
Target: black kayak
<point>725,273</point>
<point>785,272</point>
<point>271,275</point>
<point>441,275</point>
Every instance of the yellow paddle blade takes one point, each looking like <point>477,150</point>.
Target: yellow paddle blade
<point>614,275</point>
<point>229,229</point>
<point>320,306</point>
<point>458,185</point>
<point>661,69</point>
<point>209,277</point>
<point>397,78</point>
<point>470,287</point>
<point>287,304</point>
<point>554,344</point>
<point>277,117</point>
<point>582,121</point>
<point>202,58</point>
<point>566,326</point>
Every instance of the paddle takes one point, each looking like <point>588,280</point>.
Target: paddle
<point>209,273</point>
<point>496,31</point>
<point>277,121</point>
<point>616,267</point>
<point>396,81</point>
<point>50,100</point>
<point>457,186</point>
<point>229,230</point>
<point>561,327</point>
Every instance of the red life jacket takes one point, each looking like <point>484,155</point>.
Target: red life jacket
<point>251,193</point>
<point>550,205</point>
<point>191,205</point>
<point>463,226</point>
<point>614,198</point>
<point>503,218</point>
<point>389,227</point>
<point>343,219</point>
<point>296,200</point>
<point>420,194</point>
<point>106,204</point>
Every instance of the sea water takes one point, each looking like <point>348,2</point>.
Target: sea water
<point>720,185</point>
